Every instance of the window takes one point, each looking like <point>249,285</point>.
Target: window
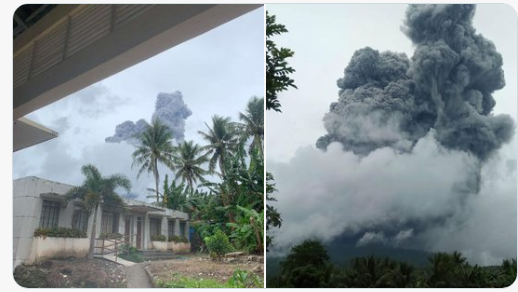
<point>154,226</point>
<point>49,214</point>
<point>170,229</point>
<point>110,223</point>
<point>80,220</point>
<point>182,228</point>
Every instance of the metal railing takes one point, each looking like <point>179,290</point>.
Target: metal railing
<point>114,245</point>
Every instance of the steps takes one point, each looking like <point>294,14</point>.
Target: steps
<point>157,255</point>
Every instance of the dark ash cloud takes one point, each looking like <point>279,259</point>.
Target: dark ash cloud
<point>170,109</point>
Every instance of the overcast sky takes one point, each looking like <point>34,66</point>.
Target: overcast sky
<point>216,72</point>
<point>324,195</point>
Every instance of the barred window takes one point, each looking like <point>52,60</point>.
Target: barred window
<point>110,223</point>
<point>182,228</point>
<point>80,220</point>
<point>49,214</point>
<point>154,226</point>
<point>170,229</point>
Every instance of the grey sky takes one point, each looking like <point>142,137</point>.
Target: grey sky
<point>216,72</point>
<point>328,194</point>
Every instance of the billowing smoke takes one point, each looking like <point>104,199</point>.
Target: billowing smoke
<point>169,109</point>
<point>388,100</point>
<point>411,151</point>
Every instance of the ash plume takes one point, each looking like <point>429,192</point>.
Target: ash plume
<point>385,99</point>
<point>411,149</point>
<point>170,109</point>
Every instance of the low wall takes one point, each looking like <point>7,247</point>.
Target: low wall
<point>57,247</point>
<point>159,245</point>
<point>180,247</point>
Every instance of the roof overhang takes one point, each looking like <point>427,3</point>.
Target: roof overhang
<point>144,208</point>
<point>53,197</point>
<point>27,133</point>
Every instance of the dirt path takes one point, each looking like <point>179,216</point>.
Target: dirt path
<point>137,277</point>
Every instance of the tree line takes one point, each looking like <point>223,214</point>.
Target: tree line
<point>232,155</point>
<point>308,265</point>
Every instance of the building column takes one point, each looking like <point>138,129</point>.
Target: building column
<point>177,227</point>
<point>163,227</point>
<point>186,231</point>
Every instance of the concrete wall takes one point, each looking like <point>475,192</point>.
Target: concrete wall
<point>53,247</point>
<point>27,205</point>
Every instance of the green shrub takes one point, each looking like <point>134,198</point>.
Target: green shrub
<point>218,245</point>
<point>244,279</point>
<point>130,253</point>
<point>59,232</point>
<point>110,235</point>
<point>176,238</point>
<point>158,237</point>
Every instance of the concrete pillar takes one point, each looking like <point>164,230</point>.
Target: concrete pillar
<point>186,231</point>
<point>177,227</point>
<point>163,226</point>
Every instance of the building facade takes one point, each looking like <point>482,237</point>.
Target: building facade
<point>40,203</point>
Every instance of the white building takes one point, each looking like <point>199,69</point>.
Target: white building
<point>40,203</point>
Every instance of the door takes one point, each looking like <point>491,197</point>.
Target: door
<point>139,233</point>
<point>127,229</point>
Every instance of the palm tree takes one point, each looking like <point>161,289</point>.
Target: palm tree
<point>97,189</point>
<point>155,147</point>
<point>253,123</point>
<point>222,140</point>
<point>187,160</point>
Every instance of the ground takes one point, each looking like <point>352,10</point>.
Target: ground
<point>85,273</point>
<point>201,267</point>
<point>71,272</point>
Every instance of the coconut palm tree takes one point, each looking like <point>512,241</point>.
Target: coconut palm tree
<point>252,125</point>
<point>97,189</point>
<point>222,139</point>
<point>155,147</point>
<point>187,160</point>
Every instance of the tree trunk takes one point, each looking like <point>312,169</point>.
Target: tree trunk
<point>156,181</point>
<point>258,237</point>
<point>222,165</point>
<point>92,235</point>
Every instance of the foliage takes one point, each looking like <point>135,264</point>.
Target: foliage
<point>175,195</point>
<point>177,239</point>
<point>187,160</point>
<point>59,232</point>
<point>158,237</point>
<point>115,235</point>
<point>240,279</point>
<point>252,125</point>
<point>247,232</point>
<point>273,217</point>
<point>277,69</point>
<point>97,189</point>
<point>222,140</point>
<point>307,266</point>
<point>244,279</point>
<point>218,245</point>
<point>155,147</point>
<point>130,253</point>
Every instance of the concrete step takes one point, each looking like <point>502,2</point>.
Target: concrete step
<point>155,255</point>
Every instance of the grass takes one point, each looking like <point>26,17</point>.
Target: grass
<point>186,282</point>
<point>240,279</point>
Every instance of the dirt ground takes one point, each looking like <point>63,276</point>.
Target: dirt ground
<point>71,273</point>
<point>202,267</point>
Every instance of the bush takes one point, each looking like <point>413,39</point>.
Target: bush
<point>244,279</point>
<point>59,232</point>
<point>130,253</point>
<point>218,245</point>
<point>158,237</point>
<point>110,235</point>
<point>176,238</point>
